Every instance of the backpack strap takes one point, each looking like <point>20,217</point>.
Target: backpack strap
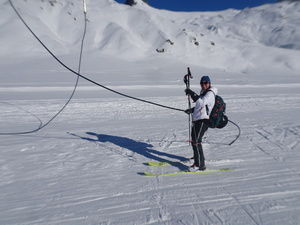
<point>211,91</point>
<point>206,106</point>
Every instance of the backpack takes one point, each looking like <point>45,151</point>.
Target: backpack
<point>217,118</point>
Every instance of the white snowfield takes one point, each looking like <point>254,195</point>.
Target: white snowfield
<point>86,166</point>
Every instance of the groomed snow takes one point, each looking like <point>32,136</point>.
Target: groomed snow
<point>85,166</point>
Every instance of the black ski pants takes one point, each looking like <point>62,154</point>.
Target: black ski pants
<point>199,128</point>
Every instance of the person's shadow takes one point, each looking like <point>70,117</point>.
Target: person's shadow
<point>141,148</point>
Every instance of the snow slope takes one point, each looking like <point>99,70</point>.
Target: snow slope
<point>85,166</point>
<point>232,38</point>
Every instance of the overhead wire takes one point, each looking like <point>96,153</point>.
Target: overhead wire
<point>79,75</point>
<point>77,79</point>
<point>84,77</point>
<point>238,133</point>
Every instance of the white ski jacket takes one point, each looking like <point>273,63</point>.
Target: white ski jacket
<point>204,104</point>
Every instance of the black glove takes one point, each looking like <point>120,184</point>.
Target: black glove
<point>189,91</point>
<point>189,111</point>
<point>193,95</point>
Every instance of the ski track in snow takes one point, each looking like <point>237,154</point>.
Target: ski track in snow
<point>83,168</point>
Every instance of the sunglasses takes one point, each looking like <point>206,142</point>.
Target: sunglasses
<point>204,82</point>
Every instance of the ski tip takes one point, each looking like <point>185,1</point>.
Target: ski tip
<point>226,169</point>
<point>158,164</point>
<point>148,174</point>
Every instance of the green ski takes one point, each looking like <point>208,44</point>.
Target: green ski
<point>148,174</point>
<point>164,163</point>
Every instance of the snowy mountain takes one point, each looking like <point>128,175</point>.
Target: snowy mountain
<point>206,39</point>
<point>86,165</point>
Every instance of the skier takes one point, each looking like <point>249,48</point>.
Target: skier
<point>200,119</point>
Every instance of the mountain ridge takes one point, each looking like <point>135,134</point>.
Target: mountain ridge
<point>208,39</point>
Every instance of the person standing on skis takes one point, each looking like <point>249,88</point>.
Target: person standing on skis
<point>200,119</point>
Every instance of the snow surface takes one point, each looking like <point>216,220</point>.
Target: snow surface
<point>84,167</point>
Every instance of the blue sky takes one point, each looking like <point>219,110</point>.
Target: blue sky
<point>204,5</point>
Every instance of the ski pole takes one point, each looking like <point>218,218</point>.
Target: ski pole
<point>186,80</point>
